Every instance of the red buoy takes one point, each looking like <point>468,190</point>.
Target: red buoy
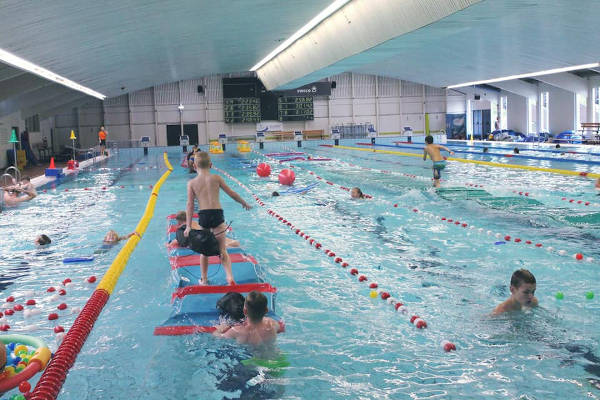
<point>362,278</point>
<point>373,285</point>
<point>58,329</point>
<point>354,271</point>
<point>62,306</point>
<point>52,317</point>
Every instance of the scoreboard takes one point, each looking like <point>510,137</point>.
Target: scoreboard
<point>295,109</point>
<point>241,109</point>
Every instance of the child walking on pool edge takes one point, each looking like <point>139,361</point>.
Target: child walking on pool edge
<point>433,150</point>
<point>205,189</point>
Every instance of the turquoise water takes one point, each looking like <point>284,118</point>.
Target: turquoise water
<point>341,342</point>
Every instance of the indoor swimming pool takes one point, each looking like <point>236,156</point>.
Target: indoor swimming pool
<point>342,340</point>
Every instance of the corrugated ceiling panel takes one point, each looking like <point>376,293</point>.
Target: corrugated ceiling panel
<point>388,87</point>
<point>214,88</point>
<point>434,91</point>
<point>343,88</point>
<point>116,101</point>
<point>411,89</point>
<point>364,85</point>
<point>167,93</point>
<point>189,92</point>
<point>142,97</point>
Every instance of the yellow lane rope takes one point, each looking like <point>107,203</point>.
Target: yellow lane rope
<point>111,276</point>
<point>488,163</point>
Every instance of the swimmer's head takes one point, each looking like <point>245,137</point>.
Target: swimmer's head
<point>42,240</point>
<point>202,160</point>
<point>429,139</point>
<point>255,306</point>
<point>516,150</point>
<point>275,194</point>
<point>26,180</point>
<point>111,237</point>
<point>356,193</point>
<point>180,217</point>
<point>485,149</point>
<point>558,146</point>
<point>522,286</point>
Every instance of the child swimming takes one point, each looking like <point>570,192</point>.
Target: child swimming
<point>522,289</point>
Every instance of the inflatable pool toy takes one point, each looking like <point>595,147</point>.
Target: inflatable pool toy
<point>71,260</point>
<point>215,148</point>
<point>22,363</point>
<point>263,170</point>
<point>243,146</point>
<point>299,190</point>
<point>194,305</point>
<point>287,177</point>
<point>274,366</point>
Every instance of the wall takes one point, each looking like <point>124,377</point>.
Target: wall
<point>389,104</point>
<point>561,107</point>
<point>516,112</point>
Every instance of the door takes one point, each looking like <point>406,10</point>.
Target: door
<point>173,134</point>
<point>192,131</point>
<point>477,124</point>
<point>486,122</point>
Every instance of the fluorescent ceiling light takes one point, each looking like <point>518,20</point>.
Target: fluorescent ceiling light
<point>18,62</point>
<point>333,7</point>
<point>529,75</point>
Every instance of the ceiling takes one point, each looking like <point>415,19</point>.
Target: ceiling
<point>133,44</point>
<point>490,39</point>
<point>115,47</point>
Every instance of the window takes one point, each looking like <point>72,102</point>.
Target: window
<point>32,124</point>
<point>544,112</point>
<point>531,115</point>
<point>596,104</point>
<point>503,112</point>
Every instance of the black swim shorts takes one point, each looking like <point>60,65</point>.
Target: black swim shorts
<point>210,218</point>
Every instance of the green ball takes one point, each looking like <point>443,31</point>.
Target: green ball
<point>589,295</point>
<point>560,295</point>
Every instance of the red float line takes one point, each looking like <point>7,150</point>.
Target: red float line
<point>55,374</point>
<point>384,295</point>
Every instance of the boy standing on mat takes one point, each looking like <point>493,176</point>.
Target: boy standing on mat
<point>433,150</point>
<point>205,189</point>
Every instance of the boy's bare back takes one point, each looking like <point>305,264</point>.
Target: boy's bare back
<point>433,150</point>
<point>205,189</point>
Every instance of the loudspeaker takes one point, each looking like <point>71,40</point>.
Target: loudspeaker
<point>200,89</point>
<point>333,84</point>
<point>477,97</point>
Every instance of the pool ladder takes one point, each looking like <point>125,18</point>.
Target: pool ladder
<point>7,175</point>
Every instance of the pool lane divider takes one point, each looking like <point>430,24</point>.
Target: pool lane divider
<point>507,238</point>
<point>376,291</point>
<point>486,163</point>
<point>51,381</point>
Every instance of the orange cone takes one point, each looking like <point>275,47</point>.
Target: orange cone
<point>52,163</point>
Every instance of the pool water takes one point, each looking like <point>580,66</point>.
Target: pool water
<point>341,342</point>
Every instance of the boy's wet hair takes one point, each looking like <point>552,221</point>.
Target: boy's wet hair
<point>429,139</point>
<point>44,239</point>
<point>202,160</point>
<point>181,216</point>
<point>256,305</point>
<point>360,193</point>
<point>231,305</point>
<point>521,276</point>
<point>516,150</point>
<point>275,194</point>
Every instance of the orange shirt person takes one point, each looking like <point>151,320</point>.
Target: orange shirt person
<point>102,139</point>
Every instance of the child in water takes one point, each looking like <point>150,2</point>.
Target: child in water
<point>257,329</point>
<point>113,237</point>
<point>522,289</point>
<point>433,151</point>
<point>356,193</point>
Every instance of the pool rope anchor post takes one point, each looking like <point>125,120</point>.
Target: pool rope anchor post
<point>55,374</point>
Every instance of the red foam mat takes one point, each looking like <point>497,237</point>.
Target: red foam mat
<point>207,289</point>
<point>187,261</point>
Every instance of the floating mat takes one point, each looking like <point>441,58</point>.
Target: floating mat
<point>194,308</point>
<point>461,193</point>
<point>186,261</point>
